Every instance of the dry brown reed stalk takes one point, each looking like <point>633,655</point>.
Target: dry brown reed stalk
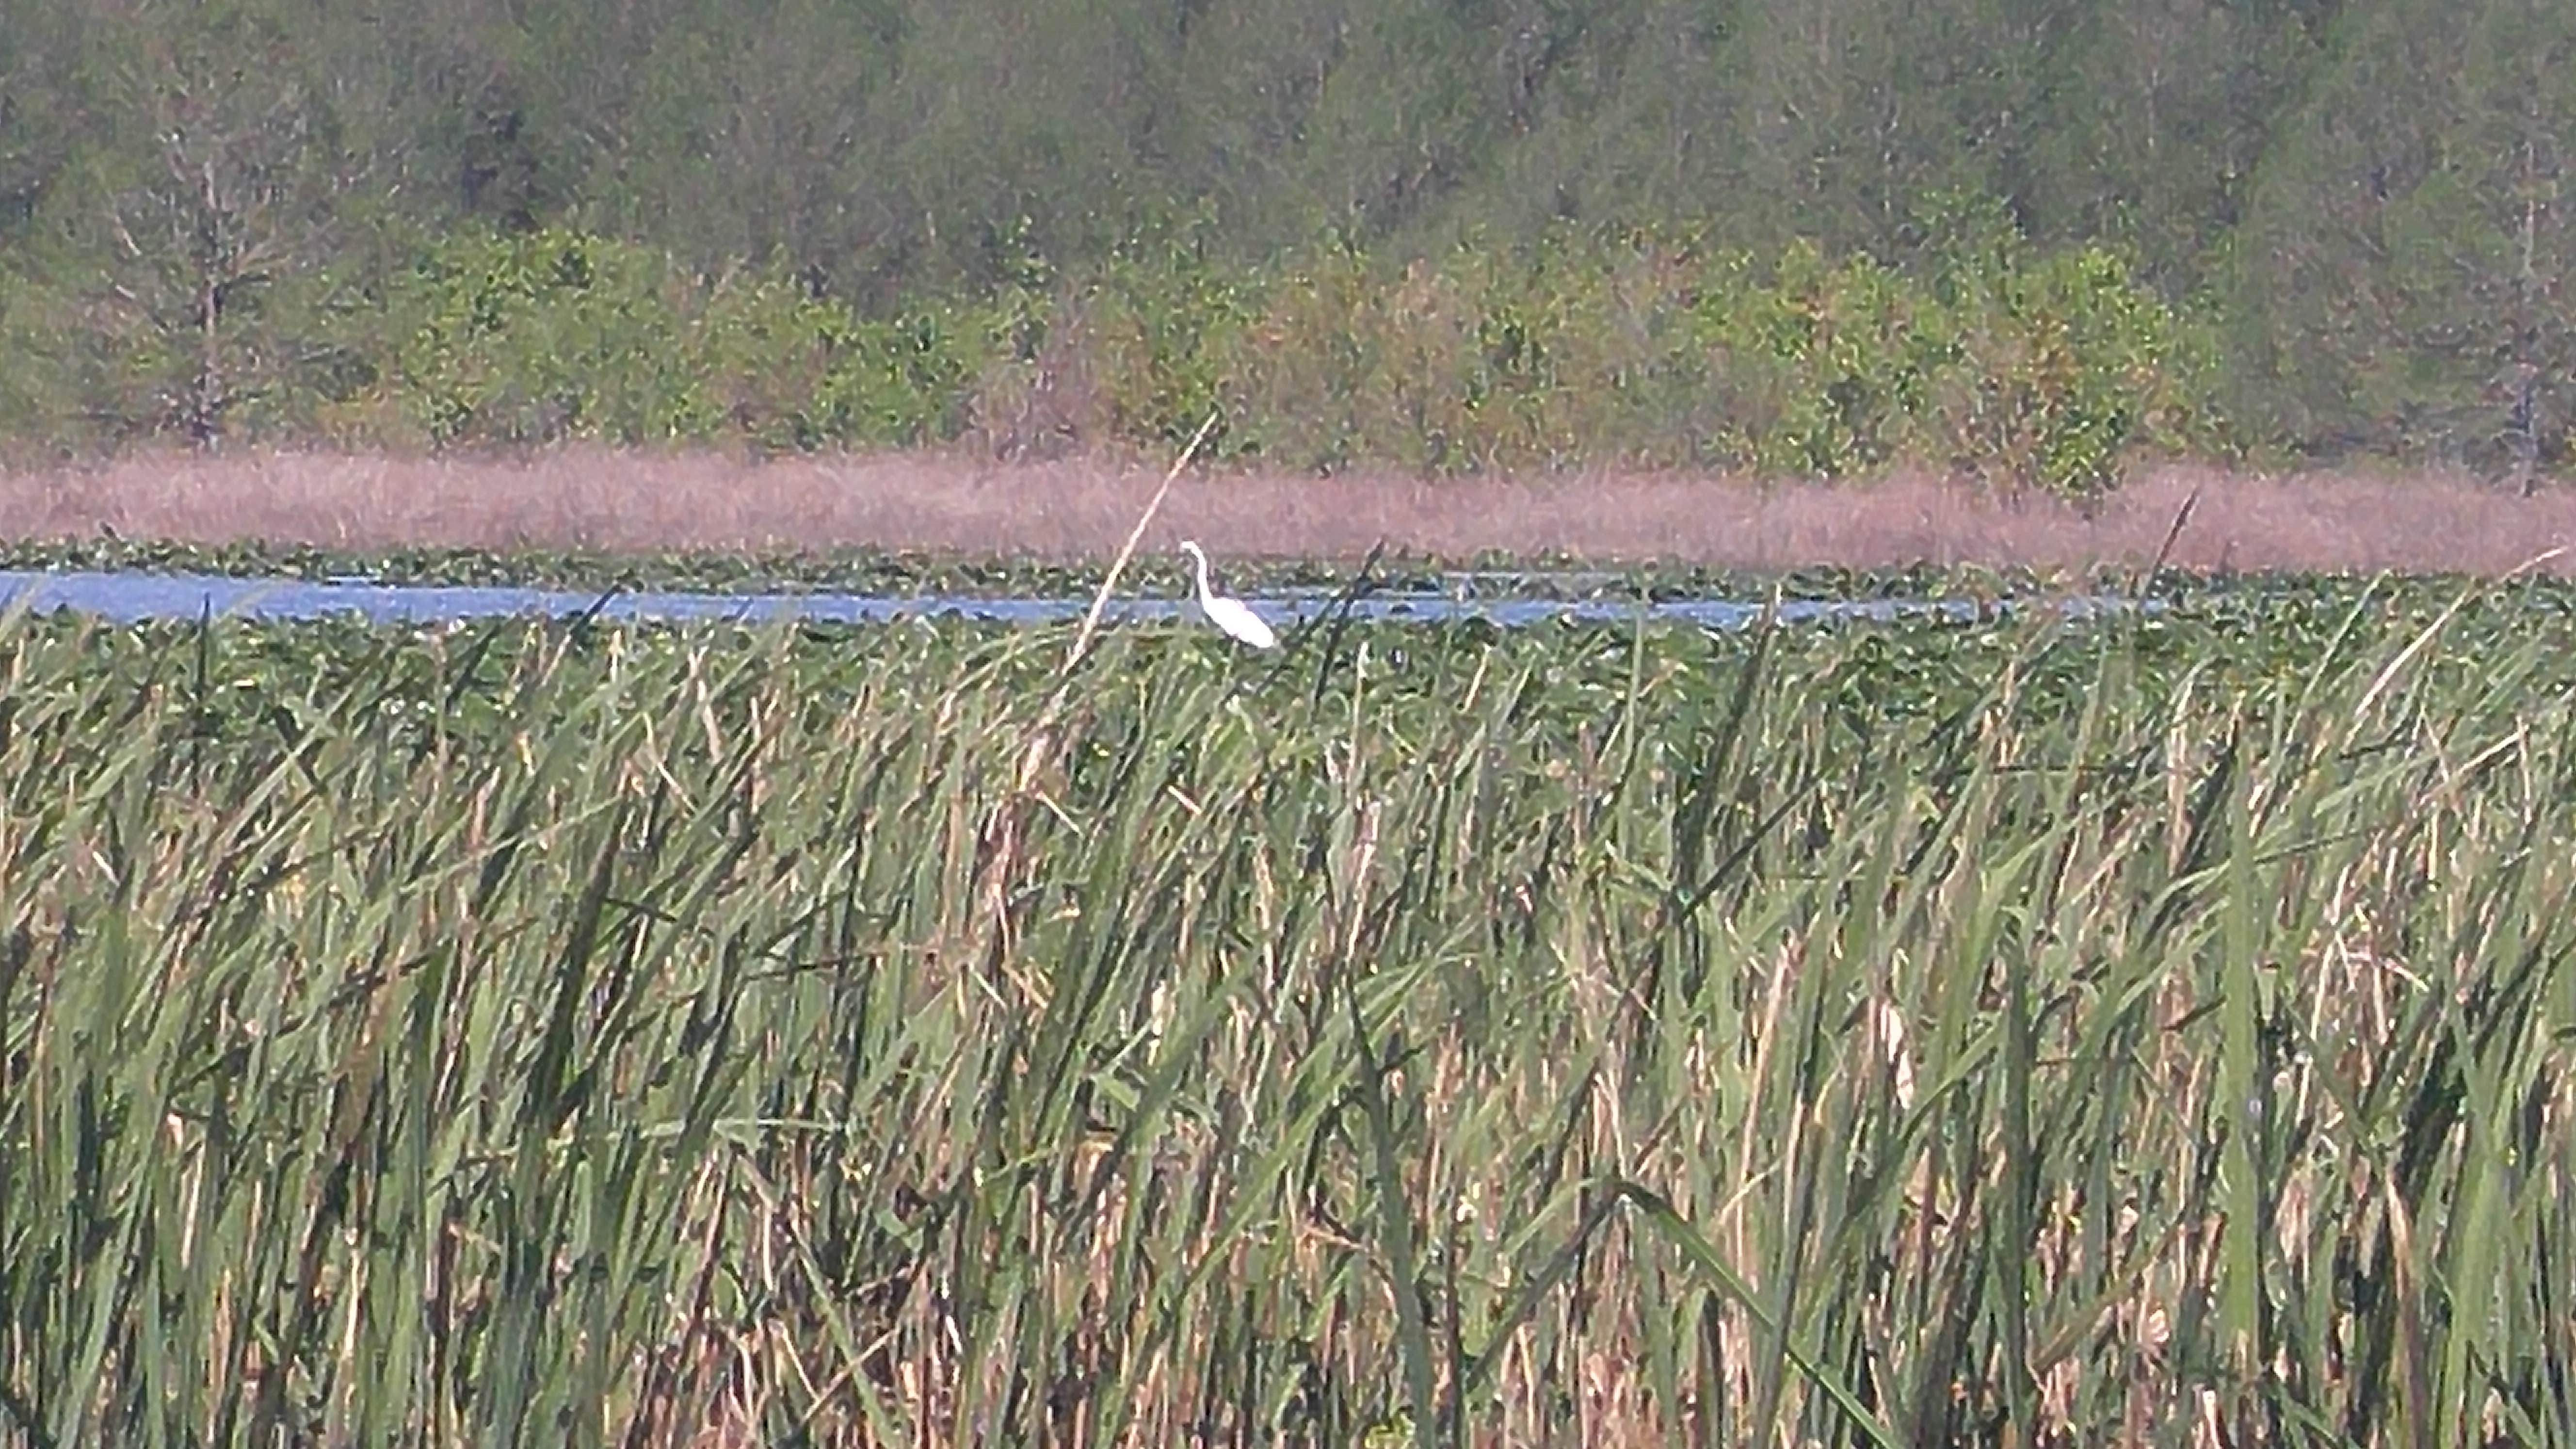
<point>1001,849</point>
<point>1127,548</point>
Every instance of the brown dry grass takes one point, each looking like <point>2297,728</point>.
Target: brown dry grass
<point>628,501</point>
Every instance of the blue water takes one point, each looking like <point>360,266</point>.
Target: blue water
<point>135,597</point>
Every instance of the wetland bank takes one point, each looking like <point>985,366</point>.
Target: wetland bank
<point>2015,1023</point>
<point>1864,1033</point>
<point>711,518</point>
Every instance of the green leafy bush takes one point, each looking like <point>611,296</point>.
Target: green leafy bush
<point>1588,347</point>
<point>1162,328</point>
<point>2072,363</point>
<point>552,335</point>
<point>558,334</point>
<point>1827,365</point>
<point>1642,349</point>
<point>907,379</point>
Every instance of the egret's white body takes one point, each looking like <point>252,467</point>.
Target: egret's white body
<point>1231,615</point>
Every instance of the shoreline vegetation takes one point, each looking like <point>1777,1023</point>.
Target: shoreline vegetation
<point>1604,347</point>
<point>1986,401</point>
<point>2081,1026</point>
<point>790,517</point>
<point>2037,244</point>
<point>1819,1036</point>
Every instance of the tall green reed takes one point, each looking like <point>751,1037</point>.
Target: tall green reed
<point>2153,1030</point>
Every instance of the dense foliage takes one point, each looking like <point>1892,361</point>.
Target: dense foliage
<point>1857,1035</point>
<point>1406,232</point>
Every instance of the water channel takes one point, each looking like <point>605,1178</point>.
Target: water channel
<point>137,597</point>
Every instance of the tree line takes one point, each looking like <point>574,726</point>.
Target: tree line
<point>2355,211</point>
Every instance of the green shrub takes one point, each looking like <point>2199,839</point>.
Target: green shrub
<point>535,338</point>
<point>1827,365</point>
<point>1163,328</point>
<point>1588,346</point>
<point>559,334</point>
<point>908,379</point>
<point>2073,364</point>
<point>1634,348</point>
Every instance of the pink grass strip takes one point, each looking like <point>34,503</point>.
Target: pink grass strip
<point>640,502</point>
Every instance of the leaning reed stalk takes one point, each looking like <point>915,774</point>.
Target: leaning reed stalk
<point>2145,1031</point>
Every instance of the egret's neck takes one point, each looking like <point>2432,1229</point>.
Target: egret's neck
<point>1200,559</point>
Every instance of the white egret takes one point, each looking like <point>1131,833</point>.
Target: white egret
<point>1231,615</point>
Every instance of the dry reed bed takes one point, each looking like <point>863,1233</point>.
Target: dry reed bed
<point>1843,1037</point>
<point>634,502</point>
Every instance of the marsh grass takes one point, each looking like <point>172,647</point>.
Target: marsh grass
<point>701,520</point>
<point>2157,1033</point>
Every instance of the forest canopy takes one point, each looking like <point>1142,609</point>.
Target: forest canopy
<point>1811,235</point>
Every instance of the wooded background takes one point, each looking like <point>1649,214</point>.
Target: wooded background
<point>2357,208</point>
